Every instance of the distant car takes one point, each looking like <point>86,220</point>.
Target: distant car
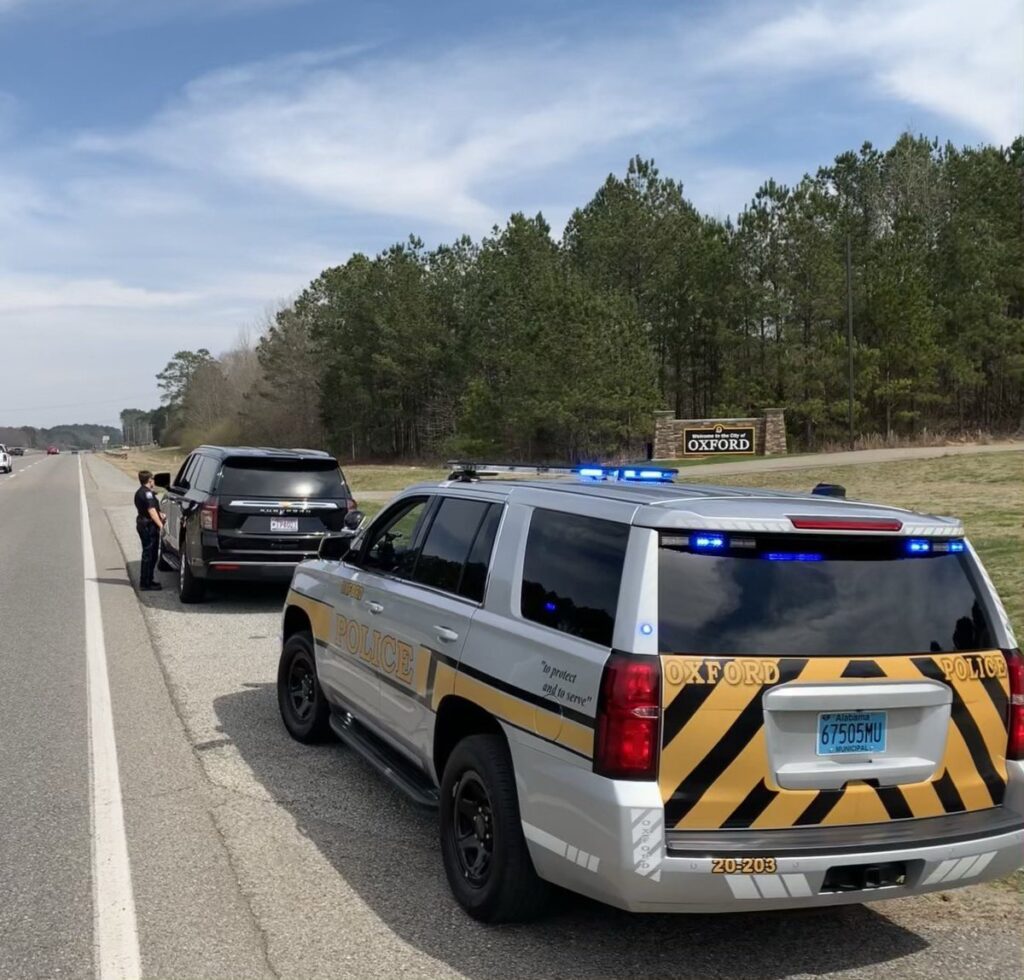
<point>5,460</point>
<point>52,451</point>
<point>243,514</point>
<point>17,451</point>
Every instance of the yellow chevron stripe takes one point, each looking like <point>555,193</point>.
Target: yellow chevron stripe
<point>320,616</point>
<point>858,804</point>
<point>731,788</point>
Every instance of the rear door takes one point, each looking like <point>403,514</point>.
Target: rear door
<point>814,681</point>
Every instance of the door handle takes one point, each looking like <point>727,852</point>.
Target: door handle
<point>375,607</point>
<point>446,635</point>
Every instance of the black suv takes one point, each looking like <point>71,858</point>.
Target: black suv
<point>241,514</point>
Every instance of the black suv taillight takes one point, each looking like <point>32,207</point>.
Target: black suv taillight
<point>628,718</point>
<point>1015,710</point>
<point>208,516</point>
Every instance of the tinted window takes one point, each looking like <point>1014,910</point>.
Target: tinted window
<point>572,572</point>
<point>391,545</point>
<point>843,599</point>
<point>203,475</point>
<point>183,473</point>
<point>474,578</point>
<point>262,477</point>
<point>448,542</point>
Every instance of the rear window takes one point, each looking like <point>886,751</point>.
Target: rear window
<point>260,477</point>
<point>813,596</point>
<point>571,573</point>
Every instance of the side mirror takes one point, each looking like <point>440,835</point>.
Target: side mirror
<point>353,519</point>
<point>334,547</point>
<point>162,480</point>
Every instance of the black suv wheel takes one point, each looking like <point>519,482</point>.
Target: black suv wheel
<point>304,709</point>
<point>485,854</point>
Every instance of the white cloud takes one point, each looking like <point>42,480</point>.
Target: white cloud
<point>418,139</point>
<point>962,61</point>
<point>22,293</point>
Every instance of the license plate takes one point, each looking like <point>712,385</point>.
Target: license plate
<point>284,524</point>
<point>848,732</point>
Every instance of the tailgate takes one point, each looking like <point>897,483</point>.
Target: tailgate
<point>746,741</point>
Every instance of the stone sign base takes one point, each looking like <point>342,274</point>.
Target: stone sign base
<point>670,435</point>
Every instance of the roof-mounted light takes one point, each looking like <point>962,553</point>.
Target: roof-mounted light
<point>846,524</point>
<point>627,474</point>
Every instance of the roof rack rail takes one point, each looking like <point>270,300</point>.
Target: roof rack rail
<point>467,471</point>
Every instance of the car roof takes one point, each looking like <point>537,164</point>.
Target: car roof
<point>698,506</point>
<point>264,451</point>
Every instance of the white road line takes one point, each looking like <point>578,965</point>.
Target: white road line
<point>115,934</point>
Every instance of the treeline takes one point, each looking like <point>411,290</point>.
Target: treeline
<point>77,435</point>
<point>527,346</point>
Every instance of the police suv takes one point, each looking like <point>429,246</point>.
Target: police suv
<point>667,697</point>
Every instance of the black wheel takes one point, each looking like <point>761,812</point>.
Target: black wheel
<point>304,709</point>
<point>190,588</point>
<point>482,844</point>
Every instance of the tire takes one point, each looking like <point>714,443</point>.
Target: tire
<point>300,699</point>
<point>190,588</point>
<point>495,881</point>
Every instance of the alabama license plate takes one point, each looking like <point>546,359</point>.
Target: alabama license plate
<point>284,524</point>
<point>847,732</point>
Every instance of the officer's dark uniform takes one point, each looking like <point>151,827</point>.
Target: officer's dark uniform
<point>149,534</point>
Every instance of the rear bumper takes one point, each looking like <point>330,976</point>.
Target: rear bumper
<point>606,839</point>
<point>230,570</point>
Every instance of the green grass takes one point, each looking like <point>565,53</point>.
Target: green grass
<point>362,478</point>
<point>688,461</point>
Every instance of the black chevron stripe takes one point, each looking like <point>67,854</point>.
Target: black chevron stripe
<point>819,808</point>
<point>747,724</point>
<point>895,802</point>
<point>863,668</point>
<point>968,728</point>
<point>753,805</point>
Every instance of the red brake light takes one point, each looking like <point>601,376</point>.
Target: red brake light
<point>1015,711</point>
<point>846,524</point>
<point>208,516</point>
<point>628,716</point>
<point>351,505</point>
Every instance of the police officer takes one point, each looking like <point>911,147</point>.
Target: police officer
<point>148,522</point>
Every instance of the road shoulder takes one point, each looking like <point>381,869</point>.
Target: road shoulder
<point>185,886</point>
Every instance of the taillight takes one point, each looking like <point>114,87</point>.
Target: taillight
<point>351,505</point>
<point>208,516</point>
<point>1015,711</point>
<point>628,713</point>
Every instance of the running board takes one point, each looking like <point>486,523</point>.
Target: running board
<point>386,761</point>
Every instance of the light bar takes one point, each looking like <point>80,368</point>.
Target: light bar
<point>957,546</point>
<point>793,556</point>
<point>707,542</point>
<point>846,524</point>
<point>632,474</point>
<point>917,546</point>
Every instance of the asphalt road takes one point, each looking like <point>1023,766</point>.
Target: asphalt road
<point>251,855</point>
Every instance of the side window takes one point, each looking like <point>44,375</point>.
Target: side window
<point>183,473</point>
<point>205,473</point>
<point>474,578</point>
<point>448,543</point>
<point>572,572</point>
<point>391,544</point>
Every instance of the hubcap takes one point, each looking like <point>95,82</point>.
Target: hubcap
<point>300,688</point>
<point>473,828</point>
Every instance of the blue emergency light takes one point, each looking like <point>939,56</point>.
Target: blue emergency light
<point>630,474</point>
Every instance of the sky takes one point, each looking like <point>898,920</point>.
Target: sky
<point>173,170</point>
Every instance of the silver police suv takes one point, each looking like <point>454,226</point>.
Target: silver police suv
<point>668,697</point>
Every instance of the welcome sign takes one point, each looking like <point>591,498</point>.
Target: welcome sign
<point>718,439</point>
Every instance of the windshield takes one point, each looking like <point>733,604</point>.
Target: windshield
<point>260,477</point>
<point>838,597</point>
